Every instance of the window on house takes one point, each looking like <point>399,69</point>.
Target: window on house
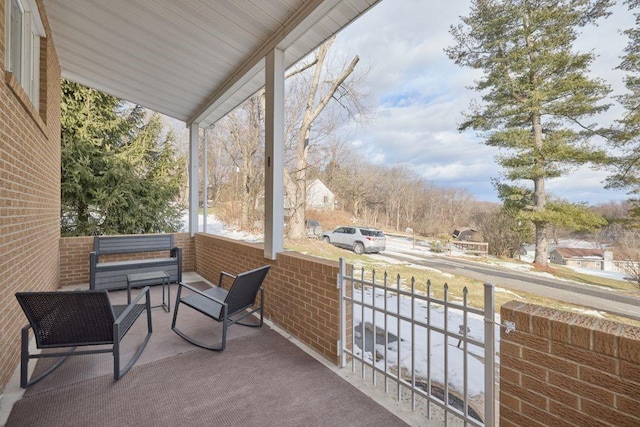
<point>23,31</point>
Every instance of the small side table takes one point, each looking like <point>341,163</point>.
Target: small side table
<point>132,279</point>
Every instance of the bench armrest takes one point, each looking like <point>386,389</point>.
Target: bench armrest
<point>176,252</point>
<point>93,263</point>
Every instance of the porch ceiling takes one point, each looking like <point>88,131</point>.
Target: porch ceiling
<point>194,60</point>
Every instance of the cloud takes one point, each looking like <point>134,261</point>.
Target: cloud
<point>420,94</point>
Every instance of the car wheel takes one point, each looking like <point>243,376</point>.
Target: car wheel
<point>326,239</point>
<point>358,248</point>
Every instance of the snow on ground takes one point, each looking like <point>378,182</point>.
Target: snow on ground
<point>606,274</point>
<point>219,228</point>
<point>439,349</point>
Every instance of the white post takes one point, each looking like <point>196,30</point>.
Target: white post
<point>193,178</point>
<point>489,356</point>
<point>274,154</point>
<point>342,344</point>
<point>205,180</point>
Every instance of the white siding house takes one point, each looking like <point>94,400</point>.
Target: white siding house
<point>319,197</point>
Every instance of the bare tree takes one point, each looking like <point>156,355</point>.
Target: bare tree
<point>503,231</point>
<point>240,136</point>
<point>628,248</point>
<point>320,89</point>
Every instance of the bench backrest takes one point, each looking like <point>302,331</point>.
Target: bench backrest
<point>134,243</point>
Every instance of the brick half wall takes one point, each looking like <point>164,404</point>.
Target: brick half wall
<point>301,295</point>
<point>566,369</point>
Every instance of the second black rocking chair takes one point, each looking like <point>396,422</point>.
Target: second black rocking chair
<point>228,307</point>
<point>66,320</point>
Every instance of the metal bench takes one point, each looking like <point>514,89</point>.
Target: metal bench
<point>112,275</point>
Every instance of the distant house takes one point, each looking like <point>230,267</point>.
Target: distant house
<point>319,197</point>
<point>582,257</point>
<point>595,259</point>
<point>466,234</point>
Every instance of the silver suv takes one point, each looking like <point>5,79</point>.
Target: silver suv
<point>359,239</point>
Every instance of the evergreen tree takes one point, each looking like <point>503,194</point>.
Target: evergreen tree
<point>119,174</point>
<point>535,92</point>
<point>626,138</point>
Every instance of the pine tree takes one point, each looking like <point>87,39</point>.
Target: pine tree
<point>535,92</point>
<point>626,137</point>
<point>119,174</point>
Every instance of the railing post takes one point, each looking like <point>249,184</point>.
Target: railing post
<point>489,355</point>
<point>343,314</point>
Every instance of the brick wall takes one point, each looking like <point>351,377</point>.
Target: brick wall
<point>74,260</point>
<point>187,243</point>
<point>300,291</point>
<point>566,369</point>
<point>29,192</point>
<point>74,257</point>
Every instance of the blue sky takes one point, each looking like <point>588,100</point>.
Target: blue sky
<point>419,94</point>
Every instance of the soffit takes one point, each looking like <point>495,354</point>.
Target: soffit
<point>194,60</point>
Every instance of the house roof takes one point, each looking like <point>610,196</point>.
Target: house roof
<point>193,60</point>
<point>317,185</point>
<point>579,252</point>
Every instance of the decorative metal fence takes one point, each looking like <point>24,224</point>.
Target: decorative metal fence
<point>436,353</point>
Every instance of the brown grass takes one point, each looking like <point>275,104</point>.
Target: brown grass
<point>329,220</point>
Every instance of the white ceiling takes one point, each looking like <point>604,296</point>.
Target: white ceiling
<point>194,60</point>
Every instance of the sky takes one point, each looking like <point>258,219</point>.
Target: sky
<point>418,95</point>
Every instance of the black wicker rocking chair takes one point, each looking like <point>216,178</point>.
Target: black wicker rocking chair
<point>228,307</point>
<point>78,318</point>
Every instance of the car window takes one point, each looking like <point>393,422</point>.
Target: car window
<point>339,230</point>
<point>368,232</point>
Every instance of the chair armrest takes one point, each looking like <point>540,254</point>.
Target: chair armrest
<point>130,307</point>
<point>199,292</point>
<point>225,274</point>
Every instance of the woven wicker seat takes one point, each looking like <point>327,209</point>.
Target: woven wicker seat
<point>78,318</point>
<point>228,307</point>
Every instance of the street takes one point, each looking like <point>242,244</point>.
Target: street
<point>589,296</point>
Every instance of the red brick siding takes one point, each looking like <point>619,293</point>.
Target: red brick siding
<point>561,368</point>
<point>29,193</point>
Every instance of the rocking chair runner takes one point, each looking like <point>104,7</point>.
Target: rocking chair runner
<point>221,305</point>
<point>78,318</point>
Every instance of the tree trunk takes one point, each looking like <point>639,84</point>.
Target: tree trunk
<point>542,244</point>
<point>539,198</point>
<point>312,111</point>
